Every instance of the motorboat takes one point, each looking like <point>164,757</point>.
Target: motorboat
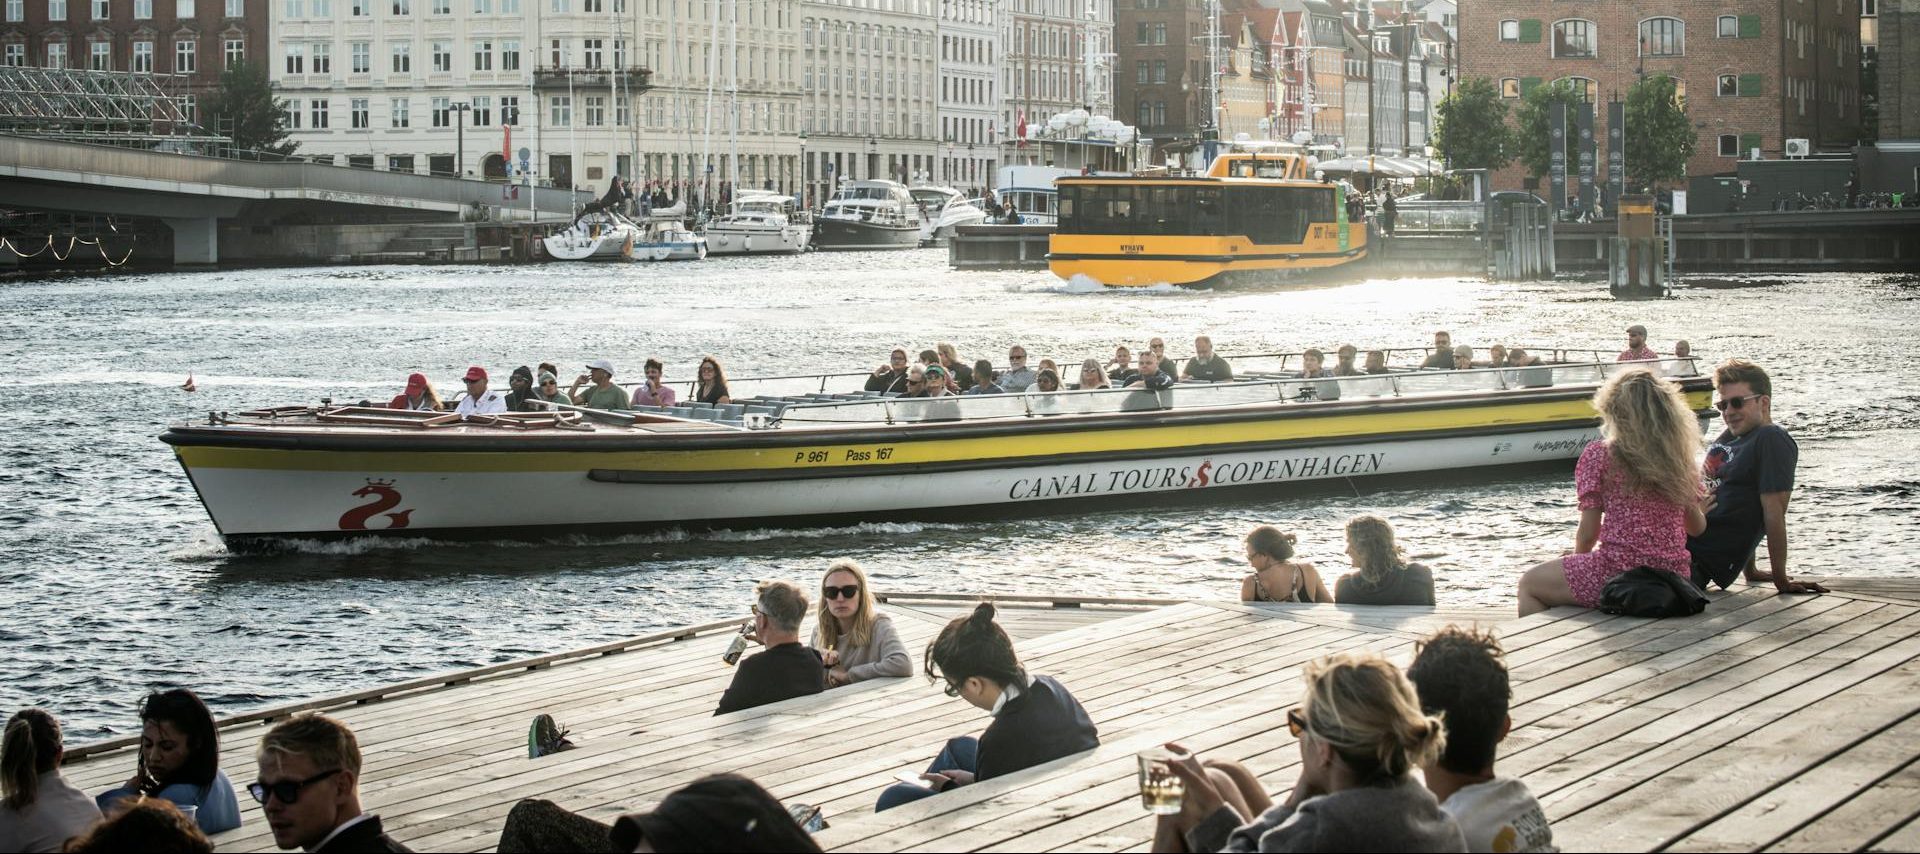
<point>869,214</point>
<point>943,209</point>
<point>1030,191</point>
<point>664,236</point>
<point>332,471</point>
<point>598,236</point>
<point>761,222</point>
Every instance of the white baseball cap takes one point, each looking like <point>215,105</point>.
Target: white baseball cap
<point>602,364</point>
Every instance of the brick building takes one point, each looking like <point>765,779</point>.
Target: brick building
<point>1899,56</point>
<point>1754,73</point>
<point>1160,79</point>
<point>193,39</point>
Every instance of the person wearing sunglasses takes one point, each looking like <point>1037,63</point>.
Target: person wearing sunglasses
<point>1092,377</point>
<point>856,641</point>
<point>1749,468</point>
<point>916,385</point>
<point>1360,732</point>
<point>1035,718</point>
<point>480,400</point>
<point>179,761</point>
<point>787,668</point>
<point>892,376</point>
<point>1018,376</point>
<point>309,788</point>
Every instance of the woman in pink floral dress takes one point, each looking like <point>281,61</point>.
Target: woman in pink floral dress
<point>1639,491</point>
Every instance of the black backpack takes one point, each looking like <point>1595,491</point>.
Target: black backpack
<point>1647,592</point>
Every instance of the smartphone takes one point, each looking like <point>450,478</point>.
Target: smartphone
<point>912,779</point>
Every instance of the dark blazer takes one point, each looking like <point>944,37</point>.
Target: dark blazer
<point>363,838</point>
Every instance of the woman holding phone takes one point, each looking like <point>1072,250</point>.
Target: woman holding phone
<point>180,761</point>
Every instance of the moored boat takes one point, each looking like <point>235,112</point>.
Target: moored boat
<point>761,222</point>
<point>942,210</point>
<point>305,472</point>
<point>664,236</point>
<point>869,215</point>
<point>601,236</point>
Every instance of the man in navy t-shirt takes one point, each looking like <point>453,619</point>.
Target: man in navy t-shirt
<point>1749,468</point>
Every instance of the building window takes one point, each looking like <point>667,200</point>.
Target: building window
<point>190,108</point>
<point>483,55</point>
<point>323,9</point>
<point>510,55</point>
<point>1729,85</point>
<point>56,10</point>
<point>1159,71</point>
<point>1679,92</point>
<point>1142,71</point>
<point>296,59</point>
<point>100,12</point>
<point>1510,30</point>
<point>1663,37</point>
<point>560,111</point>
<point>143,57</point>
<point>483,7</point>
<point>400,163</point>
<point>591,6</point>
<point>322,58</point>
<point>235,51</point>
<point>16,55</point>
<point>362,60</point>
<point>143,10</point>
<point>442,7</point>
<point>16,11</point>
<point>360,8</point>
<point>184,9</point>
<point>236,8</point>
<point>318,112</point>
<point>402,57</point>
<point>1586,88</point>
<point>398,113</point>
<point>1573,39</point>
<point>592,50</point>
<point>442,112</point>
<point>596,109</point>
<point>292,115</point>
<point>186,56</point>
<point>442,57</point>
<point>1729,145</point>
<point>482,111</point>
<point>1509,87</point>
<point>510,110</point>
<point>296,9</point>
<point>402,7</point>
<point>557,54</point>
<point>357,113</point>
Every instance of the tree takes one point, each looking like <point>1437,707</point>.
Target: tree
<point>1470,127</point>
<point>1531,143</point>
<point>1660,138</point>
<point>246,110</point>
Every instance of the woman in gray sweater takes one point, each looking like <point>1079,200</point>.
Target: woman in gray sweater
<point>1361,732</point>
<point>856,641</point>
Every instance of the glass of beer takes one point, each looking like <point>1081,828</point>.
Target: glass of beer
<point>1160,788</point>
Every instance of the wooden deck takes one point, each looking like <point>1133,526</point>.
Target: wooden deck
<point>1769,722</point>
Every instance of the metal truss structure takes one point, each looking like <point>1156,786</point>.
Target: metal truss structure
<point>94,106</point>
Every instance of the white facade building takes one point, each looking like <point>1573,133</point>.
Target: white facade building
<point>870,86</point>
<point>971,50</point>
<point>405,85</point>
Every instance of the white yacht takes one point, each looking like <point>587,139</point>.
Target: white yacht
<point>600,236</point>
<point>869,215</point>
<point>664,236</point>
<point>761,222</point>
<point>944,208</point>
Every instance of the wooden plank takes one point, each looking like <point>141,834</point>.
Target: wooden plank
<point>1882,809</point>
<point>1779,811</point>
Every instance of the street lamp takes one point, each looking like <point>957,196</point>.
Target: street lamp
<point>459,111</point>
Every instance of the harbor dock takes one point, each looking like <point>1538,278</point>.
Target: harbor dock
<point>1769,722</point>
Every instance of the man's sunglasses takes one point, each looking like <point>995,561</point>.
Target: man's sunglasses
<point>1296,721</point>
<point>1735,403</point>
<point>285,791</point>
<point>844,592</point>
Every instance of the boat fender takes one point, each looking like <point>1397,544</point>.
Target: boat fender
<point>626,249</point>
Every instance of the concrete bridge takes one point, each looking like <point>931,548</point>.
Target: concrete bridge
<point>193,194</point>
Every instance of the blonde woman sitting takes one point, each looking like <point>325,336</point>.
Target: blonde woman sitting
<point>1277,577</point>
<point>855,640</point>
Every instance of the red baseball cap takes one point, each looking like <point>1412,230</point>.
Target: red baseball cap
<point>476,373</point>
<point>416,382</point>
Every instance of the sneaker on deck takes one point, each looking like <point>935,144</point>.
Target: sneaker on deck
<point>546,737</point>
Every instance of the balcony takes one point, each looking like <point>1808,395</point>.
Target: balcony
<point>633,78</point>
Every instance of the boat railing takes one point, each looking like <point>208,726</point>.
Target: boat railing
<point>1199,395</point>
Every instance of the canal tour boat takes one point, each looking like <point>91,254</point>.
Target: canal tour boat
<point>347,471</point>
<point>1256,213</point>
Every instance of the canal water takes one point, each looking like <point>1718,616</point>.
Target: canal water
<point>112,581</point>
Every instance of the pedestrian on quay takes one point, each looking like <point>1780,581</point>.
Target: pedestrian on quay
<point>1639,495</point>
<point>1749,469</point>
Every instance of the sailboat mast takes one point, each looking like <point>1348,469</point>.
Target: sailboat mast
<point>733,93</point>
<point>706,141</point>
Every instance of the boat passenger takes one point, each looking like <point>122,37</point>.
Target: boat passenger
<point>1150,376</point>
<point>1518,358</point>
<point>1018,376</point>
<point>1035,718</point>
<point>1045,381</point>
<point>1750,468</point>
<point>548,391</point>
<point>892,376</point>
<point>1637,350</point>
<point>146,825</point>
<point>1276,576</point>
<point>1639,495</point>
<point>938,384</point>
<point>1682,364</point>
<point>1497,356</point>
<point>1313,364</point>
<point>1442,357</point>
<point>520,391</point>
<point>309,787</point>
<point>1206,366</point>
<point>1360,732</point>
<point>984,376</point>
<point>603,394</point>
<point>1048,365</point>
<point>1382,574</point>
<point>1463,358</point>
<point>480,400</point>
<point>855,640</point>
<point>961,375</point>
<point>712,386</point>
<point>1091,377</point>
<point>786,668</point>
<point>179,761</point>
<point>1377,363</point>
<point>653,392</point>
<point>419,395</point>
<point>1460,675</point>
<point>39,809</point>
<point>1343,366</point>
<point>916,382</point>
<point>1120,364</point>
<point>1013,214</point>
<point>1159,348</point>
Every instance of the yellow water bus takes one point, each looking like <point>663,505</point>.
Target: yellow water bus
<point>1254,213</point>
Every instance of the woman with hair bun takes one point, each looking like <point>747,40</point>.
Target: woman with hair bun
<point>180,761</point>
<point>39,809</point>
<point>1276,576</point>
<point>1361,732</point>
<point>1035,719</point>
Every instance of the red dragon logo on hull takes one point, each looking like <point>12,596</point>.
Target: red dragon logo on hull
<point>385,498</point>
